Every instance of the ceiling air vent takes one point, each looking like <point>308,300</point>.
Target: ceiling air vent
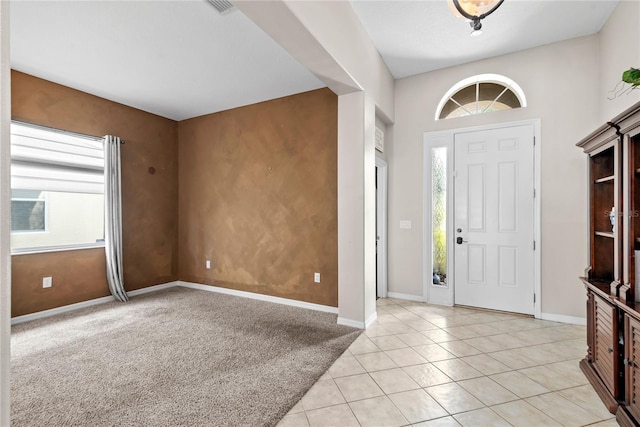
<point>222,6</point>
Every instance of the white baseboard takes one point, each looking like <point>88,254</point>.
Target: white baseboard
<point>407,297</point>
<point>261,297</point>
<point>353,323</point>
<point>268,298</point>
<point>59,310</point>
<point>153,288</point>
<point>356,323</point>
<point>371,319</point>
<point>563,319</point>
<point>89,303</point>
<point>440,302</point>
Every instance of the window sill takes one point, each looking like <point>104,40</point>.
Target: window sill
<point>46,249</point>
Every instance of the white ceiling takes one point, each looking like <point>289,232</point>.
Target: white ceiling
<point>182,59</point>
<point>177,59</point>
<point>418,36</point>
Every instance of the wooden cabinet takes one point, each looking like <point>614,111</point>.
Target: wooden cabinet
<point>605,344</point>
<point>631,365</point>
<point>604,168</point>
<point>605,194</point>
<point>612,363</point>
<point>602,363</point>
<point>628,290</point>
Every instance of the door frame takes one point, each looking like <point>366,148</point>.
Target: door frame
<point>381,227</point>
<point>445,138</point>
<point>5,215</point>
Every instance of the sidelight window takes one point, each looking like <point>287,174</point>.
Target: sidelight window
<point>439,214</point>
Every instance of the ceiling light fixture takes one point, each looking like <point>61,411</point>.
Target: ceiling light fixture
<point>475,11</point>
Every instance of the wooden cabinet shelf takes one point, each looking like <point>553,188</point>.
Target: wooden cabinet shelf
<point>613,316</point>
<point>610,235</point>
<point>605,179</point>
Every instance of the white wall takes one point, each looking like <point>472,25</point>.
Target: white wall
<point>560,82</point>
<point>351,230</point>
<point>5,221</point>
<point>369,202</point>
<point>619,50</point>
<point>338,28</point>
<point>329,39</point>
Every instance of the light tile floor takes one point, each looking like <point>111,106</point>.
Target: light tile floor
<point>427,365</point>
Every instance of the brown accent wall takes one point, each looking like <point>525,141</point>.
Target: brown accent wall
<point>150,201</point>
<point>77,276</point>
<point>258,197</point>
<point>257,190</point>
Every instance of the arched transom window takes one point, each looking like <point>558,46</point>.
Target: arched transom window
<point>480,94</point>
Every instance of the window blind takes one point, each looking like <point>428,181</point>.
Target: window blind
<point>43,159</point>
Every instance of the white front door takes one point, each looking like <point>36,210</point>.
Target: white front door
<point>494,219</point>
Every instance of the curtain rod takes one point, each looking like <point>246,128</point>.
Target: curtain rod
<point>68,132</point>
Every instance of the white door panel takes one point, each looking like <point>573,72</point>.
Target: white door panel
<point>494,214</point>
<point>477,262</point>
<point>476,197</point>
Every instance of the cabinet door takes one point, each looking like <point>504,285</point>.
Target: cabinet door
<point>590,328</point>
<point>605,345</point>
<point>632,220</point>
<point>632,370</point>
<point>604,171</point>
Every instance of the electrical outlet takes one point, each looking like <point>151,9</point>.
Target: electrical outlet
<point>46,282</point>
<point>208,264</point>
<point>316,277</point>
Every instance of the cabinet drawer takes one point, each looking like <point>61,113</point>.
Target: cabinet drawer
<point>605,345</point>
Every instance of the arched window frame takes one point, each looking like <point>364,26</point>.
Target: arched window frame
<point>482,78</point>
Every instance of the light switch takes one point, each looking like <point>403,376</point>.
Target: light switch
<point>316,277</point>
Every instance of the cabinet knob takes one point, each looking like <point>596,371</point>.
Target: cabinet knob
<point>610,350</point>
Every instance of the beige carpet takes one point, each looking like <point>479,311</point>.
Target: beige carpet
<point>170,358</point>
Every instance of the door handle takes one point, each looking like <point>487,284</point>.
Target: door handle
<point>459,240</point>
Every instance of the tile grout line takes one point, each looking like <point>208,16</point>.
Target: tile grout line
<point>554,329</point>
